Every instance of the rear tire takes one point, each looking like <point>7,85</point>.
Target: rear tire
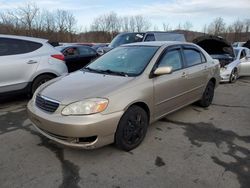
<point>132,128</point>
<point>208,95</point>
<point>234,76</point>
<point>39,81</point>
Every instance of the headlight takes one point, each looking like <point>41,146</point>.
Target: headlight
<point>223,68</point>
<point>85,107</point>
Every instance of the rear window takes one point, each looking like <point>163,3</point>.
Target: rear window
<point>16,46</point>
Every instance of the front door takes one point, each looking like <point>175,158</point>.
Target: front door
<point>169,88</point>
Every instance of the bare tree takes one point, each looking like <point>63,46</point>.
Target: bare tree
<point>205,29</point>
<point>61,16</point>
<point>237,27</point>
<point>187,25</point>
<point>132,24</point>
<point>27,15</point>
<point>217,27</point>
<point>247,25</point>
<point>141,23</point>
<point>166,26</point>
<point>49,21</point>
<point>125,24</point>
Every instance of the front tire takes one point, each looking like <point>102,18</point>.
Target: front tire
<point>208,95</point>
<point>234,76</point>
<point>132,128</point>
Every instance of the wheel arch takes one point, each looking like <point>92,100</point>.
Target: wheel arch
<point>143,105</point>
<point>213,80</point>
<point>45,73</point>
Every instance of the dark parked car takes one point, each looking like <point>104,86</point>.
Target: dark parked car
<point>77,56</point>
<point>126,38</point>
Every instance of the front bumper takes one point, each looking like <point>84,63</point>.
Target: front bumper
<point>225,75</point>
<point>75,131</point>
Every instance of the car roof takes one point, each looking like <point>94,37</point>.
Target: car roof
<point>72,46</point>
<point>158,43</point>
<point>25,38</point>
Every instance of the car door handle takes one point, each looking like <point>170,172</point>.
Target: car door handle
<point>184,75</point>
<point>31,62</point>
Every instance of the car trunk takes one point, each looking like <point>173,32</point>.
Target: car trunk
<point>217,47</point>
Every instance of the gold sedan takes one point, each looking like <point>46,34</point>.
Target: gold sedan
<point>115,98</point>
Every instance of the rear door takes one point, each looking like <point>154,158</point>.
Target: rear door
<point>18,61</point>
<point>197,72</point>
<point>170,88</point>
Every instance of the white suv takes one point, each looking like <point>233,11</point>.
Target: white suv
<point>26,63</point>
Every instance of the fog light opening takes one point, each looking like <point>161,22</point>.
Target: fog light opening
<point>87,139</point>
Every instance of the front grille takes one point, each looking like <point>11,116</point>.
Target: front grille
<point>46,104</point>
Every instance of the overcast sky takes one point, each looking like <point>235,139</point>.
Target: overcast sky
<point>198,12</point>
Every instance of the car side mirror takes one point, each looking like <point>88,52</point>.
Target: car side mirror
<point>163,70</point>
<point>100,51</point>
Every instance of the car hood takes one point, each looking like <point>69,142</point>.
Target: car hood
<point>214,45</point>
<point>81,85</point>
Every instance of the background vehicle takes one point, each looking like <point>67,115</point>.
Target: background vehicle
<point>220,49</point>
<point>114,98</point>
<point>77,56</point>
<point>26,63</point>
<point>99,45</point>
<point>126,38</point>
<point>238,44</point>
<point>243,55</point>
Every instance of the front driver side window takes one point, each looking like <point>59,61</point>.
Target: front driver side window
<point>171,59</point>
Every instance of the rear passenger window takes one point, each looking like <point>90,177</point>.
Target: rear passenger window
<point>193,57</point>
<point>150,37</point>
<point>15,46</point>
<point>85,51</point>
<point>172,59</point>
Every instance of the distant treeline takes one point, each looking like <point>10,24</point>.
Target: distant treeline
<point>61,25</point>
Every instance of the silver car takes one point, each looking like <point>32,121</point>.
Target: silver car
<point>220,49</point>
<point>26,63</point>
<point>243,55</point>
<point>115,98</point>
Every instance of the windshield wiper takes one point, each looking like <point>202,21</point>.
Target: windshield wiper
<point>115,72</point>
<point>108,71</point>
<point>91,70</point>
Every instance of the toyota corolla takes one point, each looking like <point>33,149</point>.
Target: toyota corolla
<point>116,97</point>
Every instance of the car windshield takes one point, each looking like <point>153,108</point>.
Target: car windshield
<point>125,61</point>
<point>125,39</point>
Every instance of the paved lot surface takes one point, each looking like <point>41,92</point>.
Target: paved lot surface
<point>193,147</point>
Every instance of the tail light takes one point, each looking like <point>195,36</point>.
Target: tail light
<point>58,56</point>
